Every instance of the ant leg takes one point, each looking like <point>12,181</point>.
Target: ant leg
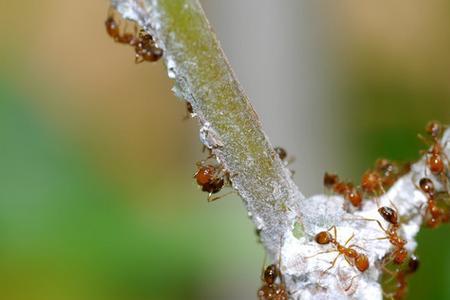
<point>377,200</point>
<point>349,261</point>
<point>263,269</point>
<point>378,239</point>
<point>393,205</point>
<point>196,173</point>
<point>290,160</point>
<point>349,239</point>
<point>424,140</point>
<point>351,283</point>
<point>334,231</point>
<point>211,199</point>
<point>367,219</point>
<point>378,222</point>
<point>138,59</point>
<point>323,252</point>
<point>332,264</point>
<point>356,246</point>
<point>200,163</point>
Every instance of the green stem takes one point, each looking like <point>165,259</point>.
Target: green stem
<point>230,126</point>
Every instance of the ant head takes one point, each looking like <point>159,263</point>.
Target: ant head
<point>370,181</point>
<point>388,214</point>
<point>112,27</point>
<point>433,128</point>
<point>323,237</point>
<point>354,196</point>
<point>329,179</point>
<point>282,154</point>
<point>271,273</point>
<point>383,165</point>
<point>427,186</point>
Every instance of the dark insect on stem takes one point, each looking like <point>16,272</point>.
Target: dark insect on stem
<point>434,215</point>
<point>146,49</point>
<point>212,178</point>
<point>273,286</point>
<point>437,161</point>
<point>113,30</point>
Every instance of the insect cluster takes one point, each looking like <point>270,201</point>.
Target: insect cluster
<point>144,45</point>
<point>398,264</point>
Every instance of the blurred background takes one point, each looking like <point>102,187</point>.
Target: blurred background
<point>97,199</point>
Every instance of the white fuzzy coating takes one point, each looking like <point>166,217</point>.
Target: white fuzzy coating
<point>304,268</point>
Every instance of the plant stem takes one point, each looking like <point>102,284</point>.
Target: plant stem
<point>230,126</point>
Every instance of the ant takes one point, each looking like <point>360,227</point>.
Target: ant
<point>212,178</point>
<point>390,215</point>
<point>345,189</point>
<point>113,30</point>
<point>435,155</point>
<point>146,49</point>
<point>390,171</point>
<point>273,286</point>
<point>353,257</point>
<point>189,111</point>
<point>372,183</point>
<point>375,182</point>
<point>434,215</point>
<point>282,154</point>
<point>401,276</point>
<point>285,159</point>
<point>270,289</point>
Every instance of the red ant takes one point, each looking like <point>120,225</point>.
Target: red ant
<point>375,182</point>
<point>212,178</point>
<point>146,49</point>
<point>271,290</point>
<point>434,215</point>
<point>273,287</point>
<point>390,171</point>
<point>353,257</point>
<point>435,155</point>
<point>400,276</point>
<point>372,183</point>
<point>345,189</point>
<point>390,215</point>
<point>113,30</point>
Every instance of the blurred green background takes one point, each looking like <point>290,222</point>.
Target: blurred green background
<point>97,199</point>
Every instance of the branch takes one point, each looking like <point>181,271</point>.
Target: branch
<point>232,130</point>
<point>229,125</point>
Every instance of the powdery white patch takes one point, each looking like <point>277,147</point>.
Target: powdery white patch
<point>304,268</point>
